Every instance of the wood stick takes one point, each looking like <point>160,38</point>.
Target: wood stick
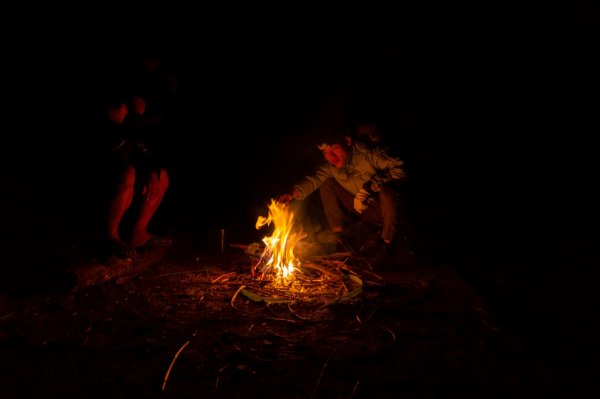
<point>172,363</point>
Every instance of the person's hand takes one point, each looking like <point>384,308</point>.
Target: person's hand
<point>139,105</point>
<point>285,199</point>
<point>373,185</point>
<point>289,197</point>
<point>360,200</point>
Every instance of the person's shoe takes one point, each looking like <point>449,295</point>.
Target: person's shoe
<point>153,242</point>
<point>121,249</point>
<point>383,256</point>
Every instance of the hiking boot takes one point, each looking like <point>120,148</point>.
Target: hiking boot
<point>384,255</point>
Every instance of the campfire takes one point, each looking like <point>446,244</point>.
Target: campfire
<point>279,275</point>
<point>278,261</point>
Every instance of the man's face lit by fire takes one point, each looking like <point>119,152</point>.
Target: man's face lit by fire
<point>335,154</point>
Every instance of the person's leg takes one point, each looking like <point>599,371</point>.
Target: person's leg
<point>334,199</point>
<point>117,208</point>
<point>153,194</point>
<point>388,198</point>
<point>386,211</point>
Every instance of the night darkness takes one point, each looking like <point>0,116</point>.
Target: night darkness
<point>493,108</point>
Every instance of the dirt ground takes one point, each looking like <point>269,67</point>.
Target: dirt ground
<point>194,325</point>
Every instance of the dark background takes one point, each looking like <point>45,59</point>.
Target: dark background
<point>493,108</point>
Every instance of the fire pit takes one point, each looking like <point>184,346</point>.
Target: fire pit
<point>279,276</point>
<point>312,283</point>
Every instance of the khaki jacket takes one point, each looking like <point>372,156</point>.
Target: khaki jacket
<point>363,165</point>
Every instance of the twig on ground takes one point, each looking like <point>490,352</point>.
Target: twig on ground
<point>335,255</point>
<point>354,390</point>
<point>391,332</point>
<point>236,294</point>
<point>296,313</point>
<point>321,374</point>
<point>363,321</point>
<point>172,363</point>
<point>380,280</point>
<point>176,273</point>
<point>222,276</point>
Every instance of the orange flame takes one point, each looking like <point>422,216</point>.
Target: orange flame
<point>278,257</point>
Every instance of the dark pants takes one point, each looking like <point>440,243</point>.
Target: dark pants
<point>387,209</point>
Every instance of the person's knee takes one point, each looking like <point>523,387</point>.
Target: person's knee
<point>386,191</point>
<point>158,181</point>
<point>164,179</point>
<point>127,178</point>
<point>328,185</point>
<point>388,195</point>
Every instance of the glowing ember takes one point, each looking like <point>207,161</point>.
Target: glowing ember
<point>278,260</point>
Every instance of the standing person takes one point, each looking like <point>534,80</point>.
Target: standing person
<point>155,90</point>
<point>137,178</point>
<point>356,182</point>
